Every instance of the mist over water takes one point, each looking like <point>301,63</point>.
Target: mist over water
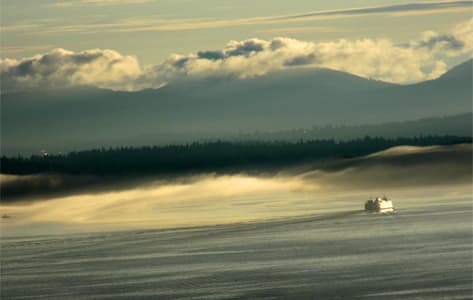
<point>210,199</point>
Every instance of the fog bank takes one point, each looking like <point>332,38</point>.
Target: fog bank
<point>403,173</point>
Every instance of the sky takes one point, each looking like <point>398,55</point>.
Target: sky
<point>130,45</point>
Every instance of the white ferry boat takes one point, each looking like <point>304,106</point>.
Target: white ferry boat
<point>380,205</point>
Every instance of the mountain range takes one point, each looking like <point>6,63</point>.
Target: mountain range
<point>87,117</point>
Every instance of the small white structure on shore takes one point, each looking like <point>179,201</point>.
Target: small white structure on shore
<point>380,205</point>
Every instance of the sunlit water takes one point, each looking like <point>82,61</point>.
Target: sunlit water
<point>295,245</point>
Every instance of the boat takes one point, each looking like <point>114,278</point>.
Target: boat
<point>379,205</point>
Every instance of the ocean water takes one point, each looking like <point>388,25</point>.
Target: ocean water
<point>423,251</point>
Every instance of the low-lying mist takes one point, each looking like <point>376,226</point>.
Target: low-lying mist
<point>404,166</point>
<point>206,199</point>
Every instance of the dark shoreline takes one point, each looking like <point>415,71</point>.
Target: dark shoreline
<point>208,157</point>
<point>422,166</point>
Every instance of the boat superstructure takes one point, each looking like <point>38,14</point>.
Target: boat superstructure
<point>379,204</point>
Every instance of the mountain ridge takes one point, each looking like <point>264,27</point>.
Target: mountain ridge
<point>84,117</point>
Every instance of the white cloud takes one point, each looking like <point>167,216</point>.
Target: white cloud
<point>62,68</point>
<point>381,59</point>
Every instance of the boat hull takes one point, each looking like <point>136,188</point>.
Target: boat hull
<point>382,206</point>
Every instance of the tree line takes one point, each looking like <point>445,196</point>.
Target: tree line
<point>447,125</point>
<point>207,156</point>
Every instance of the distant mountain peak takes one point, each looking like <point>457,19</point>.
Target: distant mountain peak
<point>462,70</point>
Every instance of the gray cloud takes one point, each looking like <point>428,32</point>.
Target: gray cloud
<point>212,55</point>
<point>448,40</point>
<point>398,8</point>
<point>245,48</point>
<point>301,60</point>
<point>234,48</point>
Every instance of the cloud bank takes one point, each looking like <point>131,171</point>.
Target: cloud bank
<point>381,59</point>
<point>62,68</point>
